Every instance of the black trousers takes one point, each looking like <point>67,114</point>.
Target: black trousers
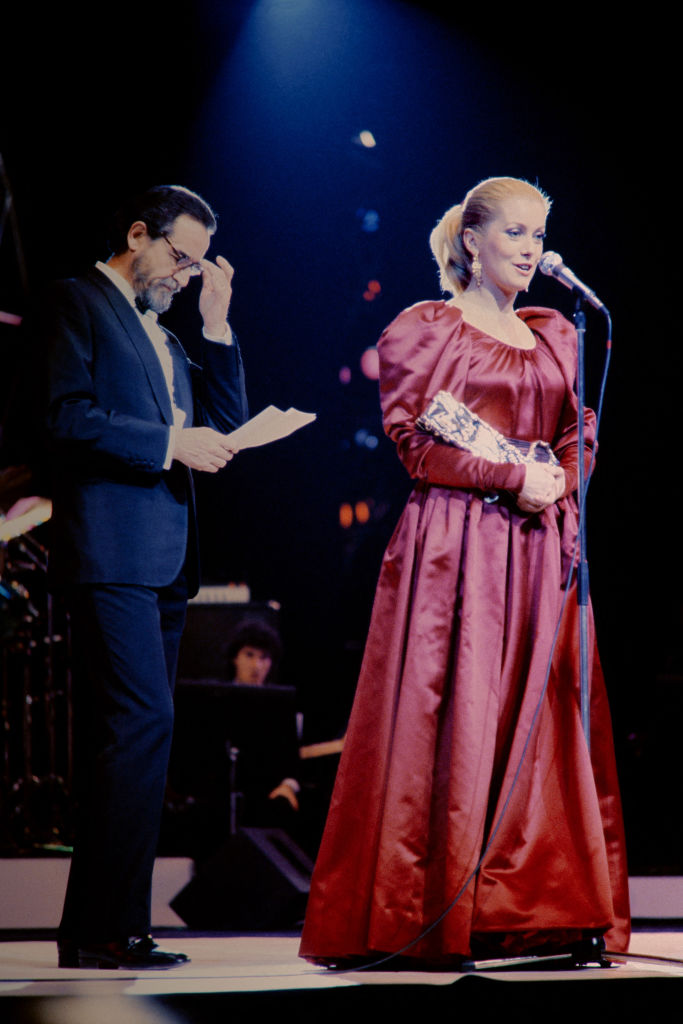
<point>125,643</point>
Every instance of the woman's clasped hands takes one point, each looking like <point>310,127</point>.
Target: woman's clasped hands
<point>543,486</point>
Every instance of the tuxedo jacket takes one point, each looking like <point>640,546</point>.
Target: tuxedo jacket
<point>118,515</point>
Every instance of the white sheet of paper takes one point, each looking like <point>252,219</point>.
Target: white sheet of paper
<point>269,425</point>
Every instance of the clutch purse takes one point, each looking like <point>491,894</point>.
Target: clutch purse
<point>452,421</point>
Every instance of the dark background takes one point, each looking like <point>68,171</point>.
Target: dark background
<point>257,104</point>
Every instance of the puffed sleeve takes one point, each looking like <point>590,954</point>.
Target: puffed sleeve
<point>560,337</point>
<point>427,349</point>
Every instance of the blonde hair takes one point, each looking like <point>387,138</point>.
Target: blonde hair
<point>475,211</point>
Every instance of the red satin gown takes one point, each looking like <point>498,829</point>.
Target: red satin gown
<point>449,728</point>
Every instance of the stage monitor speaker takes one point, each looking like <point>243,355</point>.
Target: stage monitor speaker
<point>258,880</point>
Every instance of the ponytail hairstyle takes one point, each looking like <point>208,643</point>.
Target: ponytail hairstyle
<point>476,210</point>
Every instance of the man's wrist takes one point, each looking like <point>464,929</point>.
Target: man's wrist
<point>220,333</point>
<point>170,448</point>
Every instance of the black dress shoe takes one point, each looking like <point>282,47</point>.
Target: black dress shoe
<point>138,953</point>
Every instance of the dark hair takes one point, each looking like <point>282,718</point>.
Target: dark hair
<point>158,208</point>
<point>254,633</point>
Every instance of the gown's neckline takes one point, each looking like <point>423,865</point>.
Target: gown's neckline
<point>492,337</point>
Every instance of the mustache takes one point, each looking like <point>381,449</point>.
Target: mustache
<point>167,282</point>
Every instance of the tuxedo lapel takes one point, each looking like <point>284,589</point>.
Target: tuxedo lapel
<point>182,378</point>
<point>124,317</point>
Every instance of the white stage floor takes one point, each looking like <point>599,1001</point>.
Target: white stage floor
<point>266,963</point>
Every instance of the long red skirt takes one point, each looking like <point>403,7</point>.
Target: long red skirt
<point>457,750</point>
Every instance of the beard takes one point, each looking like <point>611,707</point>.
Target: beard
<point>152,293</point>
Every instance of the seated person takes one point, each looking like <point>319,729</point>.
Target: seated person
<point>235,759</point>
<point>253,654</point>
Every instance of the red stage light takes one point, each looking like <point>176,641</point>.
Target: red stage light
<point>362,511</point>
<point>345,515</point>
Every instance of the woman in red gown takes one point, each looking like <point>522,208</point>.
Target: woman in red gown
<point>457,750</point>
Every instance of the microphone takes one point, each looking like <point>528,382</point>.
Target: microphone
<point>552,265</point>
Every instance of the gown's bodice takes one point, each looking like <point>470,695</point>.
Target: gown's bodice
<point>521,392</point>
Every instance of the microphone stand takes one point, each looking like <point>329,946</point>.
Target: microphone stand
<point>582,576</point>
<point>591,951</point>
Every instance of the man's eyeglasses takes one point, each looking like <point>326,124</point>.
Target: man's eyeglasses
<point>183,262</point>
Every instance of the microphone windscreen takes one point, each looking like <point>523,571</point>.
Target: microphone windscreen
<point>550,263</point>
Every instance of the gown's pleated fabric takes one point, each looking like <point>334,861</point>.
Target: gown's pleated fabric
<point>453,747</point>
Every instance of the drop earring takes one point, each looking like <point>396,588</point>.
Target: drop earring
<point>476,269</point>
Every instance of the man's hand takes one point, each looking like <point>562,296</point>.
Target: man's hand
<point>287,792</point>
<point>214,298</point>
<point>23,505</point>
<point>202,448</point>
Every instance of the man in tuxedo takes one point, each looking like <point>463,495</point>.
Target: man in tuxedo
<point>129,416</point>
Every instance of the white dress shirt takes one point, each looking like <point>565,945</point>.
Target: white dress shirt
<point>160,342</point>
